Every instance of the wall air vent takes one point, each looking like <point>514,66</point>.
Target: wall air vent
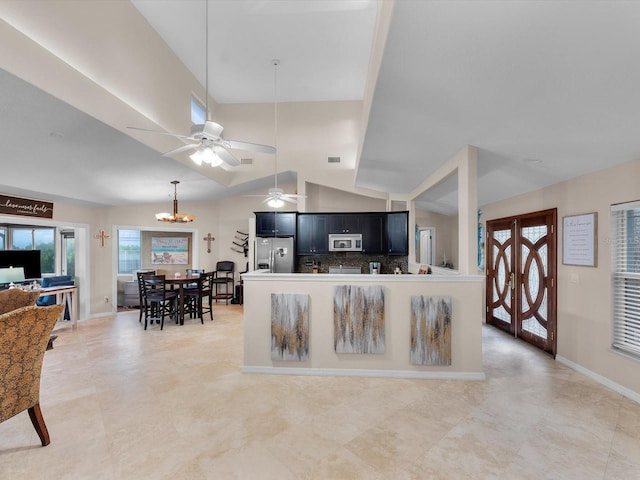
<point>333,159</point>
<point>246,161</point>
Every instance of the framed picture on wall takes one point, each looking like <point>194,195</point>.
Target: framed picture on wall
<point>170,250</point>
<point>580,240</point>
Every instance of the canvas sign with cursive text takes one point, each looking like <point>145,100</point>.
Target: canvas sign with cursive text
<point>25,207</point>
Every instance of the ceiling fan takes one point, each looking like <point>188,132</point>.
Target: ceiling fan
<point>206,139</point>
<point>276,197</point>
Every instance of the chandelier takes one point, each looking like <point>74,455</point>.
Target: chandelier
<point>176,217</point>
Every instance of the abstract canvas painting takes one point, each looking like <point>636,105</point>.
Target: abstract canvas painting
<point>289,326</point>
<point>358,319</point>
<point>430,330</point>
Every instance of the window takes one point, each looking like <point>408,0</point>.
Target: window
<point>68,260</point>
<point>36,238</point>
<point>198,112</point>
<point>625,265</point>
<point>3,236</point>
<point>128,251</point>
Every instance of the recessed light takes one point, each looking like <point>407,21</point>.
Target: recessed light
<point>56,135</point>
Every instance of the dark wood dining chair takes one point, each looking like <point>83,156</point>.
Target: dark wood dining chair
<point>197,297</point>
<point>143,306</point>
<point>195,271</point>
<point>193,285</point>
<point>159,301</point>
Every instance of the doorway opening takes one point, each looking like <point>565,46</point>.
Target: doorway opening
<point>426,248</point>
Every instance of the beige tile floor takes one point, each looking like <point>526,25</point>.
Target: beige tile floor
<point>122,403</point>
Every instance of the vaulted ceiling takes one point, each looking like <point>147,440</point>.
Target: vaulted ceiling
<point>545,90</point>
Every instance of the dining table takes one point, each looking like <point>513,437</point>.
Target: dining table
<point>180,282</point>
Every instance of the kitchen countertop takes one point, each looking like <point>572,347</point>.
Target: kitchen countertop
<point>264,275</point>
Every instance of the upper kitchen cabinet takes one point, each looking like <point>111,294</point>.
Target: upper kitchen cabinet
<point>344,223</point>
<point>275,224</point>
<point>313,234</point>
<point>398,233</point>
<point>373,233</point>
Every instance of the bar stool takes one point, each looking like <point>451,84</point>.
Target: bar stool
<point>223,275</point>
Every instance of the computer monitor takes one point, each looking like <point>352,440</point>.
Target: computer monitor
<point>12,275</point>
<point>28,259</point>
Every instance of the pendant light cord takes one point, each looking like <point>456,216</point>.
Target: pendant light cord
<point>275,114</point>
<point>206,57</point>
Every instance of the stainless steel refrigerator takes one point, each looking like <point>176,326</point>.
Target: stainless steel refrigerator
<point>275,254</point>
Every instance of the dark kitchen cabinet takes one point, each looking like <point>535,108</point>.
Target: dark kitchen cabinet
<point>373,233</point>
<point>398,233</point>
<point>313,234</point>
<point>275,224</point>
<point>344,223</point>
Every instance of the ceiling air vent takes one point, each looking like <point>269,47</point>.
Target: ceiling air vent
<point>333,159</point>
<point>246,161</point>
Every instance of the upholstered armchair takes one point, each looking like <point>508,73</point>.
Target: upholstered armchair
<point>15,298</point>
<point>24,334</point>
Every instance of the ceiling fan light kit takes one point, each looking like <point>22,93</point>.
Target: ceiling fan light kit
<point>275,198</point>
<point>176,217</point>
<point>275,203</point>
<point>206,155</point>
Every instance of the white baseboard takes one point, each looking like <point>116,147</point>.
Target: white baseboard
<point>340,372</point>
<point>616,387</point>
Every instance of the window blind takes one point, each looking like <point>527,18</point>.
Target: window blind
<point>625,265</point>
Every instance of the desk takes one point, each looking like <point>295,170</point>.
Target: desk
<point>64,293</point>
<point>181,282</point>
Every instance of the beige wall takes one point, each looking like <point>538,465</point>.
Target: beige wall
<point>326,199</point>
<point>584,293</point>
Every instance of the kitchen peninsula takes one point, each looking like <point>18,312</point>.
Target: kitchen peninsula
<point>317,298</point>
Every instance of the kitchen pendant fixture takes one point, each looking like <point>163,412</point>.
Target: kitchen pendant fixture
<point>177,217</point>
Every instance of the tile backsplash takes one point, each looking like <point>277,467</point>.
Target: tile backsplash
<point>351,259</point>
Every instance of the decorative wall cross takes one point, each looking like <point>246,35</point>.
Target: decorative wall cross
<point>208,239</point>
<point>102,236</point>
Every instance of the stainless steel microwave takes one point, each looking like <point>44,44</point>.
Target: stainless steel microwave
<point>345,242</point>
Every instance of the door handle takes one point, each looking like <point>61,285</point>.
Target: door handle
<point>512,281</point>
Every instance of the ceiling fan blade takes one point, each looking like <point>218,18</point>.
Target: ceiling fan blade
<point>226,157</point>
<point>256,147</point>
<point>158,132</point>
<point>184,148</point>
<point>293,195</point>
<point>286,198</point>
